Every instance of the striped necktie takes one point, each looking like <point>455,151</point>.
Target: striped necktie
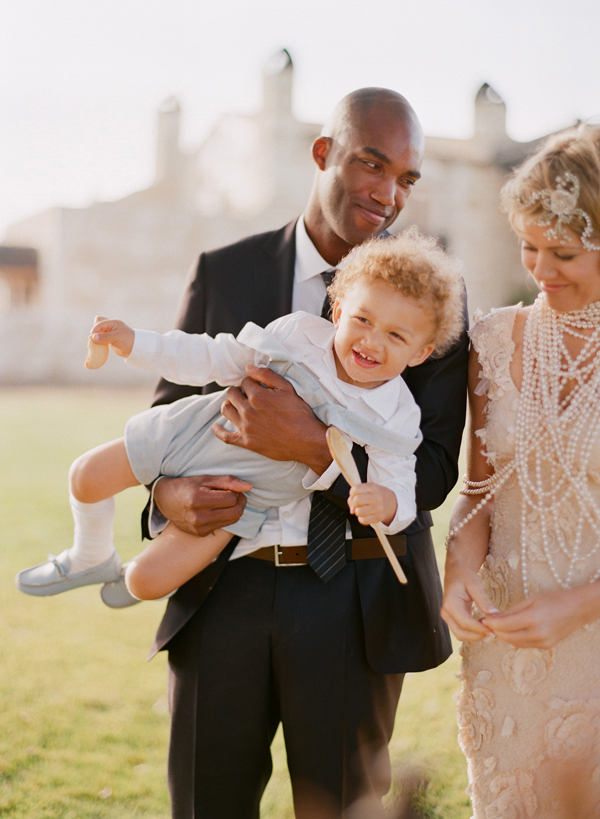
<point>326,541</point>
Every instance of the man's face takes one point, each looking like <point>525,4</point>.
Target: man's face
<point>367,174</point>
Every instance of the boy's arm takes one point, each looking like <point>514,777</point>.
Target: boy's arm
<point>184,358</point>
<point>398,476</point>
<point>391,473</point>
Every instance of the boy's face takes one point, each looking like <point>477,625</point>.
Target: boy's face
<point>379,332</point>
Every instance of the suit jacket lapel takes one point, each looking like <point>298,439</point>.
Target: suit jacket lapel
<point>274,282</point>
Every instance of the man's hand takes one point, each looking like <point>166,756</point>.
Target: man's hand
<point>372,503</point>
<point>274,422</point>
<point>202,503</point>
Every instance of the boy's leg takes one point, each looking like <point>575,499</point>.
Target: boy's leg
<point>172,559</point>
<point>94,479</point>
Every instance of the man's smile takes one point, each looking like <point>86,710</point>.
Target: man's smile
<point>374,215</point>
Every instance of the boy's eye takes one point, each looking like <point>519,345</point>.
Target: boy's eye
<point>362,318</point>
<point>396,336</point>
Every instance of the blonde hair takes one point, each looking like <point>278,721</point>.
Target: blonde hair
<point>576,152</point>
<point>416,266</point>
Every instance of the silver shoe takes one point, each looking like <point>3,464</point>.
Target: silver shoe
<point>116,595</point>
<point>54,577</point>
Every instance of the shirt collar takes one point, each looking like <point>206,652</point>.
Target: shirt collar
<point>309,262</point>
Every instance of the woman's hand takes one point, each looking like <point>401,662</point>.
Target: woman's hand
<point>372,503</point>
<point>462,588</point>
<point>543,620</point>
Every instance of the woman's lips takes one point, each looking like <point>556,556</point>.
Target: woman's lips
<point>552,288</point>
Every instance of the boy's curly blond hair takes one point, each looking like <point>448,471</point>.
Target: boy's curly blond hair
<point>416,266</point>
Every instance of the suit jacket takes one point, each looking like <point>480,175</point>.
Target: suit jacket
<point>252,280</point>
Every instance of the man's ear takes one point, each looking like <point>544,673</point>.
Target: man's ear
<point>336,312</point>
<point>420,357</point>
<point>320,150</point>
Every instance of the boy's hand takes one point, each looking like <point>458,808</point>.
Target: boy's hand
<point>372,503</point>
<point>118,335</point>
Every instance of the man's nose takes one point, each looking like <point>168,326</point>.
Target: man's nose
<point>385,192</point>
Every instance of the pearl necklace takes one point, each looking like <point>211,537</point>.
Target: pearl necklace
<point>557,424</point>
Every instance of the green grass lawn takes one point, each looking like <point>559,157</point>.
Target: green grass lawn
<point>83,721</point>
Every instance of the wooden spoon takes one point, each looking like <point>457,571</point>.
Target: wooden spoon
<point>343,458</point>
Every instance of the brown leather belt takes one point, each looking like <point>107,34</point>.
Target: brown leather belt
<point>364,548</point>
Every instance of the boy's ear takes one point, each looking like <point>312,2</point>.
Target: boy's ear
<point>336,312</point>
<point>420,357</point>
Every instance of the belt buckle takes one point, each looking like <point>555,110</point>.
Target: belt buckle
<point>278,554</point>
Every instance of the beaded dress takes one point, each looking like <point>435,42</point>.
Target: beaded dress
<point>523,712</point>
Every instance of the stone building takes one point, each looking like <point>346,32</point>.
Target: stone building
<point>129,258</point>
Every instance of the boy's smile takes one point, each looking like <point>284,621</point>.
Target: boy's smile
<point>379,332</point>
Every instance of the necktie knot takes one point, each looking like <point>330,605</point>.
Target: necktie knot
<point>327,276</point>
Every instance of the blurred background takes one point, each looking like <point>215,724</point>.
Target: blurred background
<point>136,134</point>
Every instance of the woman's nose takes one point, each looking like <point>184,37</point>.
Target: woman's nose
<point>544,267</point>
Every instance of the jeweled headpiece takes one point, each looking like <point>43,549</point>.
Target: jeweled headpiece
<point>560,204</point>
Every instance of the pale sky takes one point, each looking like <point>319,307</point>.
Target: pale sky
<point>81,81</point>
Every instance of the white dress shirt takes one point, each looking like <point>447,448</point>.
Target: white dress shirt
<point>309,288</point>
<point>196,360</point>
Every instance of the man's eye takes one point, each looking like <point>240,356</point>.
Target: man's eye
<point>372,165</point>
<point>408,181</point>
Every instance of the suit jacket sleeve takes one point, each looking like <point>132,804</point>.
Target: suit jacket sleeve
<point>439,387</point>
<point>191,319</point>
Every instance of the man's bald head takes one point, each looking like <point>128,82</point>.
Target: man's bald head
<point>368,156</point>
<point>356,108</point>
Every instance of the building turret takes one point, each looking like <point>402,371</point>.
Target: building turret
<point>167,141</point>
<point>278,77</point>
<point>490,117</point>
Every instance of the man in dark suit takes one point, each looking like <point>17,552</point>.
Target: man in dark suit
<point>253,643</point>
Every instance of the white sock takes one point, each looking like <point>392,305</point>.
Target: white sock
<point>93,538</point>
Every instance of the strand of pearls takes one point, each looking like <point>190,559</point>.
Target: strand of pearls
<point>557,427</point>
<point>555,433</point>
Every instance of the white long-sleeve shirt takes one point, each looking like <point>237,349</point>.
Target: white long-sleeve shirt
<point>200,359</point>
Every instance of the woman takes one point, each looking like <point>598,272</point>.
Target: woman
<point>523,560</point>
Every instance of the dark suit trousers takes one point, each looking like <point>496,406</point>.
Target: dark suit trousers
<point>274,645</point>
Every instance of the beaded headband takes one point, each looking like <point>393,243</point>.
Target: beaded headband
<point>561,204</point>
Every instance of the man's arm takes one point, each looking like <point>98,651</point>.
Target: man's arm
<point>439,387</point>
